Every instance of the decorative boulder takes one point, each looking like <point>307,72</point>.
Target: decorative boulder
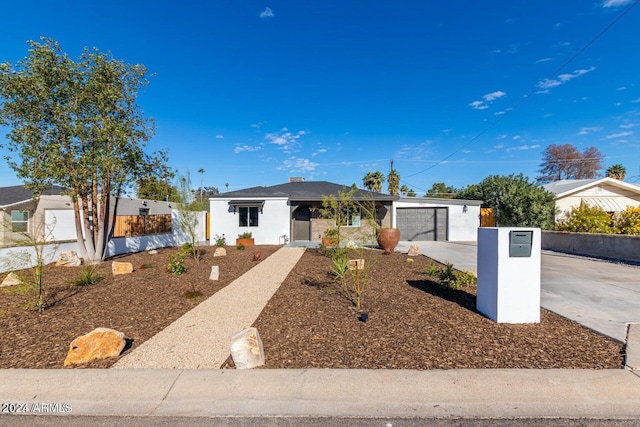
<point>220,252</point>
<point>12,279</point>
<point>246,349</point>
<point>97,344</point>
<point>68,259</point>
<point>121,268</point>
<point>215,272</point>
<point>414,250</point>
<point>153,252</point>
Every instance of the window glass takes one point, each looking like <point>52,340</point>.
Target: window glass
<point>248,216</point>
<point>253,216</point>
<point>244,216</point>
<point>19,221</point>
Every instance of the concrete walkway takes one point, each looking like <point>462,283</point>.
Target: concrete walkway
<point>201,338</point>
<point>601,295</point>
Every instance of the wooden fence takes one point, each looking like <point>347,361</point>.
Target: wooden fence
<point>142,225</point>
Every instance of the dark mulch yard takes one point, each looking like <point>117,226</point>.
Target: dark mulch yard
<point>413,322</point>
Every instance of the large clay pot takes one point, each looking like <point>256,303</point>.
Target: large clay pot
<point>388,239</point>
<point>244,241</point>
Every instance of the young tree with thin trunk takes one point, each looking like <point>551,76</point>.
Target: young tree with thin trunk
<point>77,124</point>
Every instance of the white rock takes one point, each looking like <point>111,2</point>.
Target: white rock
<point>12,279</point>
<point>246,349</point>
<point>215,272</point>
<point>220,252</point>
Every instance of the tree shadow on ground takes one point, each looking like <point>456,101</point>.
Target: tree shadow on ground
<point>461,297</point>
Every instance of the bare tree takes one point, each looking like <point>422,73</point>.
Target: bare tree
<point>566,162</point>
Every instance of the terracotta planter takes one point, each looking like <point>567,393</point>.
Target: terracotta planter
<point>329,241</point>
<point>245,242</point>
<point>388,239</point>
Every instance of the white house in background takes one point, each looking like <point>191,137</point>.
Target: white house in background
<point>612,195</point>
<point>289,212</point>
<point>51,214</point>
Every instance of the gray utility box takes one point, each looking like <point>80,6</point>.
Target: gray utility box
<point>520,243</point>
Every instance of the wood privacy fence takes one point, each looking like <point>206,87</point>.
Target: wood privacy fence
<point>142,225</point>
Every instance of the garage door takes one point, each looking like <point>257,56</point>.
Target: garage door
<point>422,224</point>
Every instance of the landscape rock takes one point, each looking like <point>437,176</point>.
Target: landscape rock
<point>215,272</point>
<point>257,256</point>
<point>220,252</point>
<point>121,268</point>
<point>246,349</point>
<point>97,344</point>
<point>68,259</point>
<point>153,252</point>
<point>414,250</point>
<point>12,279</point>
<point>352,245</point>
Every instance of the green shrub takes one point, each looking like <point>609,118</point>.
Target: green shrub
<point>175,263</point>
<point>587,219</point>
<point>245,235</point>
<point>88,276</point>
<point>449,278</point>
<point>220,240</point>
<point>628,221</point>
<point>240,247</point>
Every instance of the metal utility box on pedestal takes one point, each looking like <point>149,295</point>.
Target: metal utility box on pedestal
<point>509,274</point>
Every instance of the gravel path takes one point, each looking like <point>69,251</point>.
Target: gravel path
<point>201,338</point>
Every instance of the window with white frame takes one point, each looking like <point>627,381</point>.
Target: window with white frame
<point>351,216</point>
<point>19,221</point>
<point>248,216</point>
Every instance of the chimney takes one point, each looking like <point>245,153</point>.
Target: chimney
<point>296,179</point>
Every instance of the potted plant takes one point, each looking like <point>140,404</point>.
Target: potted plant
<point>244,239</point>
<point>331,237</point>
<point>388,239</point>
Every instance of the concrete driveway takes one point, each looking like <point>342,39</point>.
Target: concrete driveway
<point>600,295</point>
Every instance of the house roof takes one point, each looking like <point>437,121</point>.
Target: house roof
<point>566,187</point>
<point>302,191</point>
<point>17,194</point>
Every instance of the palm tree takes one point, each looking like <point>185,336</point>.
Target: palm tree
<point>393,179</point>
<point>616,171</point>
<point>373,181</point>
<point>404,189</point>
<point>201,172</point>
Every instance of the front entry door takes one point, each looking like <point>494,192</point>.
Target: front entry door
<point>302,224</point>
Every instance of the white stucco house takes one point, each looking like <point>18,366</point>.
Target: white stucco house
<point>612,195</point>
<point>289,213</point>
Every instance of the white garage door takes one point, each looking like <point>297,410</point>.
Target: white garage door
<point>422,224</point>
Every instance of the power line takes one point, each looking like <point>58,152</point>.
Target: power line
<point>533,91</point>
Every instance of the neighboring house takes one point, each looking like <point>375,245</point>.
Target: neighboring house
<point>289,212</point>
<point>612,195</point>
<point>51,215</point>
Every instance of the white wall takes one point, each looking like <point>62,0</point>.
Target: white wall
<point>273,222</point>
<point>180,236</point>
<point>463,225</point>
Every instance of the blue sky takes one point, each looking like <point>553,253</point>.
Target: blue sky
<point>453,91</point>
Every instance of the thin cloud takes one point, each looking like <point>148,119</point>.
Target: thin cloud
<point>267,13</point>
<point>539,61</point>
<point>616,3</point>
<point>524,147</point>
<point>219,136</point>
<point>619,135</point>
<point>487,99</point>
<point>635,101</point>
<point>547,84</point>
<point>319,151</point>
<point>245,148</point>
<point>588,130</point>
<point>295,164</point>
<point>285,139</point>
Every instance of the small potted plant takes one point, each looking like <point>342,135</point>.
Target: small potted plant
<point>244,239</point>
<point>331,237</point>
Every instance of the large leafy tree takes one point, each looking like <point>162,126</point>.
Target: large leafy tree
<point>76,124</point>
<point>154,188</point>
<point>515,201</point>
<point>441,190</point>
<point>566,162</point>
<point>373,181</point>
<point>616,171</point>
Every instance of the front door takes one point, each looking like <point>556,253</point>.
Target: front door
<point>302,224</point>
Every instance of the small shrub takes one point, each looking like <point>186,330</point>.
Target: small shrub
<point>240,247</point>
<point>587,219</point>
<point>192,294</point>
<point>448,277</point>
<point>245,235</point>
<point>175,264</point>
<point>628,221</point>
<point>220,240</point>
<point>409,260</point>
<point>88,276</point>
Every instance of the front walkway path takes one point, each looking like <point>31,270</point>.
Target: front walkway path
<point>201,338</point>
